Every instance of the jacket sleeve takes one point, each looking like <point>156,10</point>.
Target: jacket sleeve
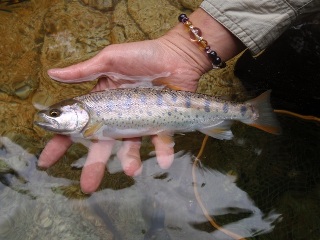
<point>257,23</point>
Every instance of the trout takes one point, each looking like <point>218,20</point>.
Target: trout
<point>135,112</point>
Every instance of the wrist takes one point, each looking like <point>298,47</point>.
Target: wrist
<point>220,40</point>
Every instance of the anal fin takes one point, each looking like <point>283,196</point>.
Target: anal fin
<point>166,138</point>
<point>220,130</point>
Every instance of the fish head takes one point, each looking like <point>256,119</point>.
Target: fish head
<point>66,117</point>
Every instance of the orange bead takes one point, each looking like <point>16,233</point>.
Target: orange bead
<point>203,43</point>
<point>188,23</point>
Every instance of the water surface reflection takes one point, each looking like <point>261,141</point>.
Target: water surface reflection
<point>247,186</point>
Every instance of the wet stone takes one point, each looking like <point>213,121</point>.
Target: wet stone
<point>102,5</point>
<point>42,99</point>
<point>190,4</point>
<point>23,92</point>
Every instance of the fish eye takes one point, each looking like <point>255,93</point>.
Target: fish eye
<point>54,113</point>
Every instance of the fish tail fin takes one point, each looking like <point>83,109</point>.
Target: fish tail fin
<point>266,119</point>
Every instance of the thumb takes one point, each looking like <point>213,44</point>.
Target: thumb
<point>88,70</point>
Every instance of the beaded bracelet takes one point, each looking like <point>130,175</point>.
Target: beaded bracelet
<point>195,36</point>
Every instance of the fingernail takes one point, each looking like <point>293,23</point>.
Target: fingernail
<point>42,165</point>
<point>165,161</point>
<point>52,71</point>
<point>55,74</point>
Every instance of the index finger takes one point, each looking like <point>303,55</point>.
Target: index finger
<point>54,150</point>
<point>88,70</point>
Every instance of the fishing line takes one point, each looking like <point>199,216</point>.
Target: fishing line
<point>286,112</point>
<point>197,195</point>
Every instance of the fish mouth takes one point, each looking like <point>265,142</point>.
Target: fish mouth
<point>46,123</point>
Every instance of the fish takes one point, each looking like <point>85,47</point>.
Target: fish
<point>134,112</point>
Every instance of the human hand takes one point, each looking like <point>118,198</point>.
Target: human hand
<point>144,59</point>
<point>171,60</point>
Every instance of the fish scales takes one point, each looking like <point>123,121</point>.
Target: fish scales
<point>174,110</point>
<point>120,113</point>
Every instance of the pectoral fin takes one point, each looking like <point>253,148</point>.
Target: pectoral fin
<point>220,130</point>
<point>90,131</point>
<point>165,82</point>
<point>166,138</point>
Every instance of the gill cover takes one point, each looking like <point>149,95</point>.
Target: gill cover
<point>66,117</point>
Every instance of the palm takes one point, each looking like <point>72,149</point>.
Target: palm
<point>153,61</point>
<point>135,62</point>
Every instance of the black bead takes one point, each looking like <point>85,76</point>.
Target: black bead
<point>184,20</point>
<point>217,61</point>
<point>212,55</point>
<point>222,65</point>
<point>182,17</point>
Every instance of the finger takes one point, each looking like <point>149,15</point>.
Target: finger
<point>105,83</point>
<point>54,150</point>
<point>84,71</point>
<point>129,156</point>
<point>94,168</point>
<point>164,150</point>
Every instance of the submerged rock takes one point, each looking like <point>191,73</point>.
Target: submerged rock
<point>102,5</point>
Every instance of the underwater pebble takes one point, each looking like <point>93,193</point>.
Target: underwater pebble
<point>103,5</point>
<point>43,218</point>
<point>41,100</point>
<point>6,224</point>
<point>23,92</point>
<point>4,167</point>
<point>46,222</point>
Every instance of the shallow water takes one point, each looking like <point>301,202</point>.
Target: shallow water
<point>257,186</point>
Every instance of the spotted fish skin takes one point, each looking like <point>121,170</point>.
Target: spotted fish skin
<point>122,113</point>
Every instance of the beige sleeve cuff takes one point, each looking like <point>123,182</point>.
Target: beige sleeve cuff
<point>257,23</point>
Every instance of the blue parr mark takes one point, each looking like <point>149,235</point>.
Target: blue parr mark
<point>225,107</point>
<point>110,105</point>
<point>174,96</point>
<point>128,102</point>
<point>159,99</point>
<point>143,98</point>
<point>188,101</point>
<point>243,110</point>
<point>207,106</point>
